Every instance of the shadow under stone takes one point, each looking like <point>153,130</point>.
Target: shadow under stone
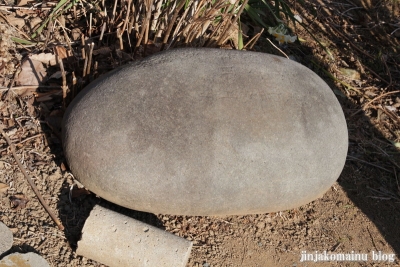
<point>369,178</point>
<point>24,248</point>
<point>75,210</point>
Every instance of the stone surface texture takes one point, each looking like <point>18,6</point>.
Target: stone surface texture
<point>207,132</point>
<point>6,238</point>
<point>23,260</point>
<point>118,241</point>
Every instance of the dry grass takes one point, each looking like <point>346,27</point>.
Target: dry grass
<point>114,32</point>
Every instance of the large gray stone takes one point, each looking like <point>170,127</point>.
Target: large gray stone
<point>23,260</point>
<point>207,132</point>
<point>6,238</point>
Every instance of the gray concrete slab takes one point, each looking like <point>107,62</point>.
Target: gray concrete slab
<point>119,241</point>
<point>6,238</point>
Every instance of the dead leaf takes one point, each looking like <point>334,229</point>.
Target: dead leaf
<point>56,75</point>
<point>10,123</point>
<point>29,91</point>
<point>63,167</point>
<point>76,34</point>
<point>370,93</point>
<point>18,201</point>
<point>391,108</point>
<point>29,106</point>
<point>352,74</point>
<point>78,192</point>
<point>105,50</point>
<point>61,20</point>
<point>61,52</point>
<point>24,12</point>
<point>17,22</point>
<point>32,73</point>
<point>23,2</point>
<point>3,188</point>
<point>45,58</point>
<point>14,230</point>
<point>35,22</point>
<point>41,97</point>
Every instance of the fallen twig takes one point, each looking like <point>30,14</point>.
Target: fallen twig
<point>15,28</point>
<point>384,59</point>
<point>376,75</point>
<point>350,42</point>
<point>397,181</point>
<point>277,48</point>
<point>88,69</point>
<point>64,80</point>
<point>384,194</point>
<point>4,7</point>
<point>373,100</point>
<point>368,163</point>
<point>39,196</point>
<point>254,40</point>
<point>25,140</point>
<point>24,87</point>
<point>387,155</point>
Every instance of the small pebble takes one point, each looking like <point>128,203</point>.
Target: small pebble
<point>27,260</point>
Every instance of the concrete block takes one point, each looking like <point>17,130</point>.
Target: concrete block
<point>6,238</point>
<point>120,241</point>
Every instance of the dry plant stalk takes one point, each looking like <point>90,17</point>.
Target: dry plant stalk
<point>25,140</point>
<point>174,23</point>
<point>64,79</point>
<point>171,24</point>
<point>254,40</point>
<point>233,21</point>
<point>28,178</point>
<point>373,100</point>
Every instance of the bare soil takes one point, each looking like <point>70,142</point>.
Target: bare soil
<point>358,56</point>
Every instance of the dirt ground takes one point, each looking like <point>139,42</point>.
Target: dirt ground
<point>360,214</point>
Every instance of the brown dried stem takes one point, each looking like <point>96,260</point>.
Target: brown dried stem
<point>233,22</point>
<point>39,196</point>
<point>373,100</point>
<point>64,80</point>
<point>254,40</point>
<point>171,24</point>
<point>148,5</point>
<point>25,140</point>
<point>25,87</point>
<point>368,163</point>
<point>126,20</point>
<point>277,48</point>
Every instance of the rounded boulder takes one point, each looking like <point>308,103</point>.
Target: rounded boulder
<point>207,132</point>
